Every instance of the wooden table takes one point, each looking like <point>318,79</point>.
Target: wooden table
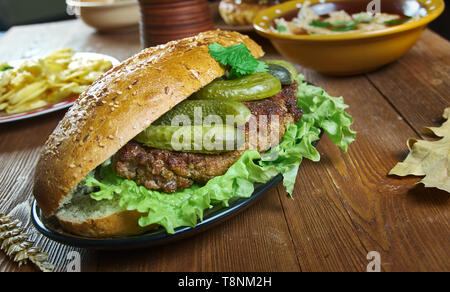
<point>344,207</point>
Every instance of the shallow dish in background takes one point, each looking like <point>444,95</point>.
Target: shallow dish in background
<point>63,104</point>
<point>107,16</point>
<point>348,53</point>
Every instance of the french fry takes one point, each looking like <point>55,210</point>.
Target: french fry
<point>28,93</point>
<point>38,83</point>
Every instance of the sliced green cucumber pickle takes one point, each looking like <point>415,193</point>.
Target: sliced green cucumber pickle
<point>198,111</point>
<point>193,139</point>
<point>248,88</point>
<point>287,65</point>
<point>281,73</point>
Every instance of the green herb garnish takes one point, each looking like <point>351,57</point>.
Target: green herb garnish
<point>318,23</point>
<point>5,68</point>
<point>343,28</point>
<point>337,26</point>
<point>238,58</point>
<point>363,20</point>
<point>397,21</point>
<point>281,28</point>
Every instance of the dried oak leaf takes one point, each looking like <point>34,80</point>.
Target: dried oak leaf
<point>429,158</point>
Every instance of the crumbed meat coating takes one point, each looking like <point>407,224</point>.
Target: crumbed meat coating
<point>169,171</point>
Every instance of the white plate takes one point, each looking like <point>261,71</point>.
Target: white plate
<point>5,118</point>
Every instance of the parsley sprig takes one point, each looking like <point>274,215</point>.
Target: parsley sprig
<point>318,23</point>
<point>281,28</point>
<point>341,25</point>
<point>238,59</point>
<point>397,21</point>
<point>5,68</point>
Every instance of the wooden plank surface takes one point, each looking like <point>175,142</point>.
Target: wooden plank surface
<point>418,86</point>
<point>344,207</point>
<point>354,207</point>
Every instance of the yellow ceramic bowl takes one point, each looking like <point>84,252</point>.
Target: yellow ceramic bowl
<point>346,53</point>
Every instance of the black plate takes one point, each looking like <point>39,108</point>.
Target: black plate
<point>217,215</point>
<point>51,229</point>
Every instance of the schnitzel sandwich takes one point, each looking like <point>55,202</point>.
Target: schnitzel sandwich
<point>177,129</point>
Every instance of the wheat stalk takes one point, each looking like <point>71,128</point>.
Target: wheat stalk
<point>16,245</point>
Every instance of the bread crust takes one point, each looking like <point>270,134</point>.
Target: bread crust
<point>120,105</point>
<point>124,223</point>
<point>240,14</point>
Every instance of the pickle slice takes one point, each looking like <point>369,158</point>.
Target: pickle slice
<point>287,65</point>
<point>193,139</point>
<point>252,87</point>
<point>199,111</point>
<point>281,73</point>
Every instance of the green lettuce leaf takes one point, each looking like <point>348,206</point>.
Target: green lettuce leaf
<point>297,144</point>
<point>327,113</point>
<point>185,208</point>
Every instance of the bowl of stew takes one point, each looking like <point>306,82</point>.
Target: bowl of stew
<point>346,37</point>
